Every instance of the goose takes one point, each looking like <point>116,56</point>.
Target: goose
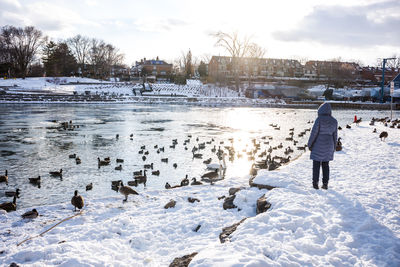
<point>30,214</point>
<point>35,180</point>
<point>12,193</point>
<point>383,135</point>
<point>78,161</point>
<point>56,173</point>
<point>120,160</point>
<point>72,156</point>
<point>185,181</point>
<point>77,201</point>
<point>126,191</point>
<point>89,187</point>
<point>4,178</point>
<point>211,175</point>
<point>195,182</point>
<point>141,178</point>
<point>9,206</point>
<point>157,172</point>
<point>137,172</point>
<point>118,168</point>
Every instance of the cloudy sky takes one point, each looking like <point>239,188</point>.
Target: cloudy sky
<point>361,30</point>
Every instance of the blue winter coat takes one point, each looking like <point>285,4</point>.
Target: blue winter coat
<point>323,137</point>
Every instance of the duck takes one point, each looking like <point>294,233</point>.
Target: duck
<point>4,178</point>
<point>89,187</point>
<point>148,166</point>
<point>12,193</point>
<point>175,165</point>
<point>78,161</point>
<point>103,162</point>
<point>167,185</point>
<point>30,214</point>
<point>120,161</point>
<point>348,126</point>
<point>9,206</point>
<point>374,131</point>
<point>185,181</point>
<point>339,144</point>
<point>137,172</point>
<point>141,178</point>
<point>157,172</point>
<point>77,201</point>
<point>197,155</point>
<point>72,156</point>
<point>144,158</point>
<point>383,135</point>
<point>195,182</point>
<point>56,173</point>
<point>207,161</point>
<point>35,180</point>
<point>133,183</point>
<point>118,168</point>
<point>164,160</point>
<point>126,191</point>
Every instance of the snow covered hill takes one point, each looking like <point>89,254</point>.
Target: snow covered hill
<point>354,223</point>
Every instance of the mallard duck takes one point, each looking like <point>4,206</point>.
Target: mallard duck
<point>126,191</point>
<point>185,181</point>
<point>72,156</point>
<point>155,172</point>
<point>167,185</point>
<point>4,178</point>
<point>208,161</point>
<point>195,182</point>
<point>148,166</point>
<point>348,126</point>
<point>89,187</point>
<point>78,161</point>
<point>175,165</point>
<point>12,193</point>
<point>9,206</point>
<point>56,173</point>
<point>77,201</point>
<point>120,161</point>
<point>164,160</point>
<point>30,214</point>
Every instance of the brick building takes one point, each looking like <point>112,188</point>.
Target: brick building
<point>153,67</point>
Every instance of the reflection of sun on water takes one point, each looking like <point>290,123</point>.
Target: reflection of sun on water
<point>245,126</point>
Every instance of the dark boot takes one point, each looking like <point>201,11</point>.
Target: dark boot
<point>315,186</point>
<point>325,186</point>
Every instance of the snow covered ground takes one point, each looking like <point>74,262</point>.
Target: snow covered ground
<point>355,223</point>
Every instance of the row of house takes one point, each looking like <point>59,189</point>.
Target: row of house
<point>263,68</point>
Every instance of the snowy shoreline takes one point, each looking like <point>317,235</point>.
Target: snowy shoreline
<point>355,223</point>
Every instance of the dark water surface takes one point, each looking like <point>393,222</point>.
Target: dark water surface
<point>32,144</point>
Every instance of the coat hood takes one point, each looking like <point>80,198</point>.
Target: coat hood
<point>325,109</point>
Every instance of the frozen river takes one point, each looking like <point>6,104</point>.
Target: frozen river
<point>32,143</point>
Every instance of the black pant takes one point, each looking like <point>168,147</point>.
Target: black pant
<point>325,171</point>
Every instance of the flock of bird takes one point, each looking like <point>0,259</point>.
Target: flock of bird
<point>260,151</point>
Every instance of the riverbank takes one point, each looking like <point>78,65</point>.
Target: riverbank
<point>355,223</point>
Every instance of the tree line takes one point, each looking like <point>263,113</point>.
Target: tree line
<point>28,52</point>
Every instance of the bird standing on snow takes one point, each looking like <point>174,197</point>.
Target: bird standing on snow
<point>30,214</point>
<point>383,135</point>
<point>77,201</point>
<point>126,191</point>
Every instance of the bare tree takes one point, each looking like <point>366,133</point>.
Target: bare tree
<point>237,48</point>
<point>80,47</point>
<point>255,55</point>
<point>22,44</point>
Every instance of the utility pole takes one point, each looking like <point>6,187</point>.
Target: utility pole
<point>383,75</point>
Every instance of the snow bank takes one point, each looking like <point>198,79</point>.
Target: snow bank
<point>355,223</point>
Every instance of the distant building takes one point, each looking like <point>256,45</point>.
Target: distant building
<point>258,68</point>
<point>374,74</point>
<point>315,69</point>
<point>154,67</point>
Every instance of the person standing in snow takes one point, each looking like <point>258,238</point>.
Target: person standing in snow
<point>322,143</point>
